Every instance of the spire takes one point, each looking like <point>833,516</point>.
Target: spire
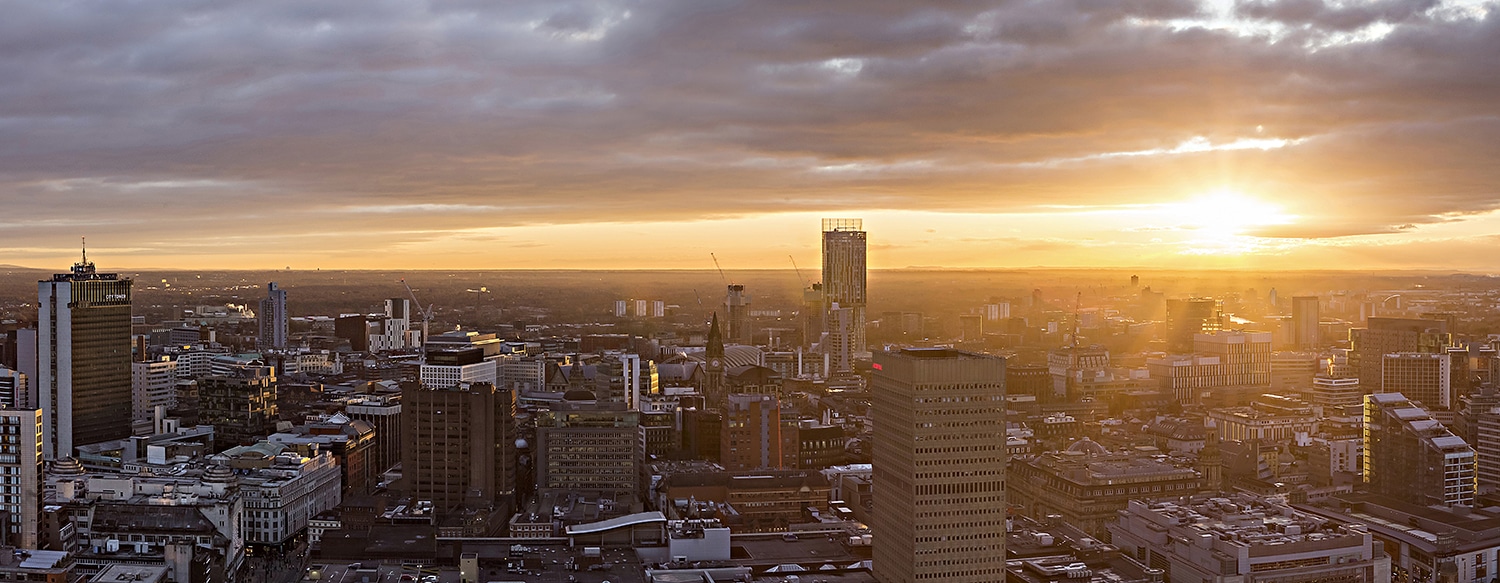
<point>715,347</point>
<point>85,242</point>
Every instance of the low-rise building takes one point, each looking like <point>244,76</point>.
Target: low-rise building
<point>283,488</point>
<point>1243,538</point>
<point>1087,484</point>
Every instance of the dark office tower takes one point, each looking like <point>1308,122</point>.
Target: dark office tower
<point>241,405</point>
<point>1410,456</point>
<point>844,289</point>
<point>458,445</point>
<point>737,303</point>
<point>1190,317</point>
<point>1305,322</point>
<point>1381,336</point>
<point>83,356</point>
<point>272,317</point>
<point>939,460</point>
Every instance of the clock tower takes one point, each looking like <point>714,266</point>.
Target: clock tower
<point>713,357</point>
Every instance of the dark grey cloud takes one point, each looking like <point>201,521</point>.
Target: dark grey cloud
<point>171,121</point>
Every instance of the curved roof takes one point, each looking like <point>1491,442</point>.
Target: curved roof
<point>1088,446</point>
<point>617,522</point>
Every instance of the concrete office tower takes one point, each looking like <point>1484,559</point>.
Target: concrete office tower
<point>458,445</point>
<point>21,463</point>
<point>1412,457</point>
<point>273,318</point>
<point>939,466</point>
<point>83,358</point>
<point>1190,317</point>
<point>1305,322</point>
<point>1381,336</point>
<point>844,286</point>
<point>14,389</point>
<point>737,303</point>
<point>1424,378</point>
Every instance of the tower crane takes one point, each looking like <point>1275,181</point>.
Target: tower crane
<point>426,318</point>
<point>721,269</point>
<point>799,272</point>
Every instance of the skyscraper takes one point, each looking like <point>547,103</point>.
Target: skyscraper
<point>737,303</point>
<point>1186,318</point>
<point>939,466</point>
<point>458,445</point>
<point>844,288</point>
<point>83,358</point>
<point>272,317</point>
<point>1305,322</point>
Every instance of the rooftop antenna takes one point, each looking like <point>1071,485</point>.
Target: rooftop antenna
<point>85,241</point>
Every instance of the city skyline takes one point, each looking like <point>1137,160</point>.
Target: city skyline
<point>1183,134</point>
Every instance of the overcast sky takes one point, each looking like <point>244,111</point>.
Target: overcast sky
<point>404,134</point>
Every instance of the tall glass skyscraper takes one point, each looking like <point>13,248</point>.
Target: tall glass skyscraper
<point>843,291</point>
<point>83,358</point>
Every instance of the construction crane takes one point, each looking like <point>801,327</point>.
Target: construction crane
<point>799,272</point>
<point>721,269</point>
<point>426,318</point>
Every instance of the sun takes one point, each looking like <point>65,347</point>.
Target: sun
<point>1224,213</point>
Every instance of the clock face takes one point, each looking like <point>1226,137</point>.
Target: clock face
<point>714,363</point>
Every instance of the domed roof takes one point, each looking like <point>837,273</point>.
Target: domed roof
<point>218,473</point>
<point>579,395</point>
<point>67,467</point>
<point>1087,446</point>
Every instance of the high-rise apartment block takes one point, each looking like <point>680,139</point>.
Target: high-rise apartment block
<point>21,466</point>
<point>939,466</point>
<point>1305,322</point>
<point>458,446</point>
<point>1412,457</point>
<point>83,356</point>
<point>844,289</point>
<point>272,318</point>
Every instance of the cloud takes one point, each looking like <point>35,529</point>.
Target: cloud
<point>266,119</point>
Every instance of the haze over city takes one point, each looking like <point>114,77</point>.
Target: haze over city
<point>728,291</point>
<point>1288,134</point>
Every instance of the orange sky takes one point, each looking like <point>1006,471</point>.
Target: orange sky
<point>1348,134</point>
